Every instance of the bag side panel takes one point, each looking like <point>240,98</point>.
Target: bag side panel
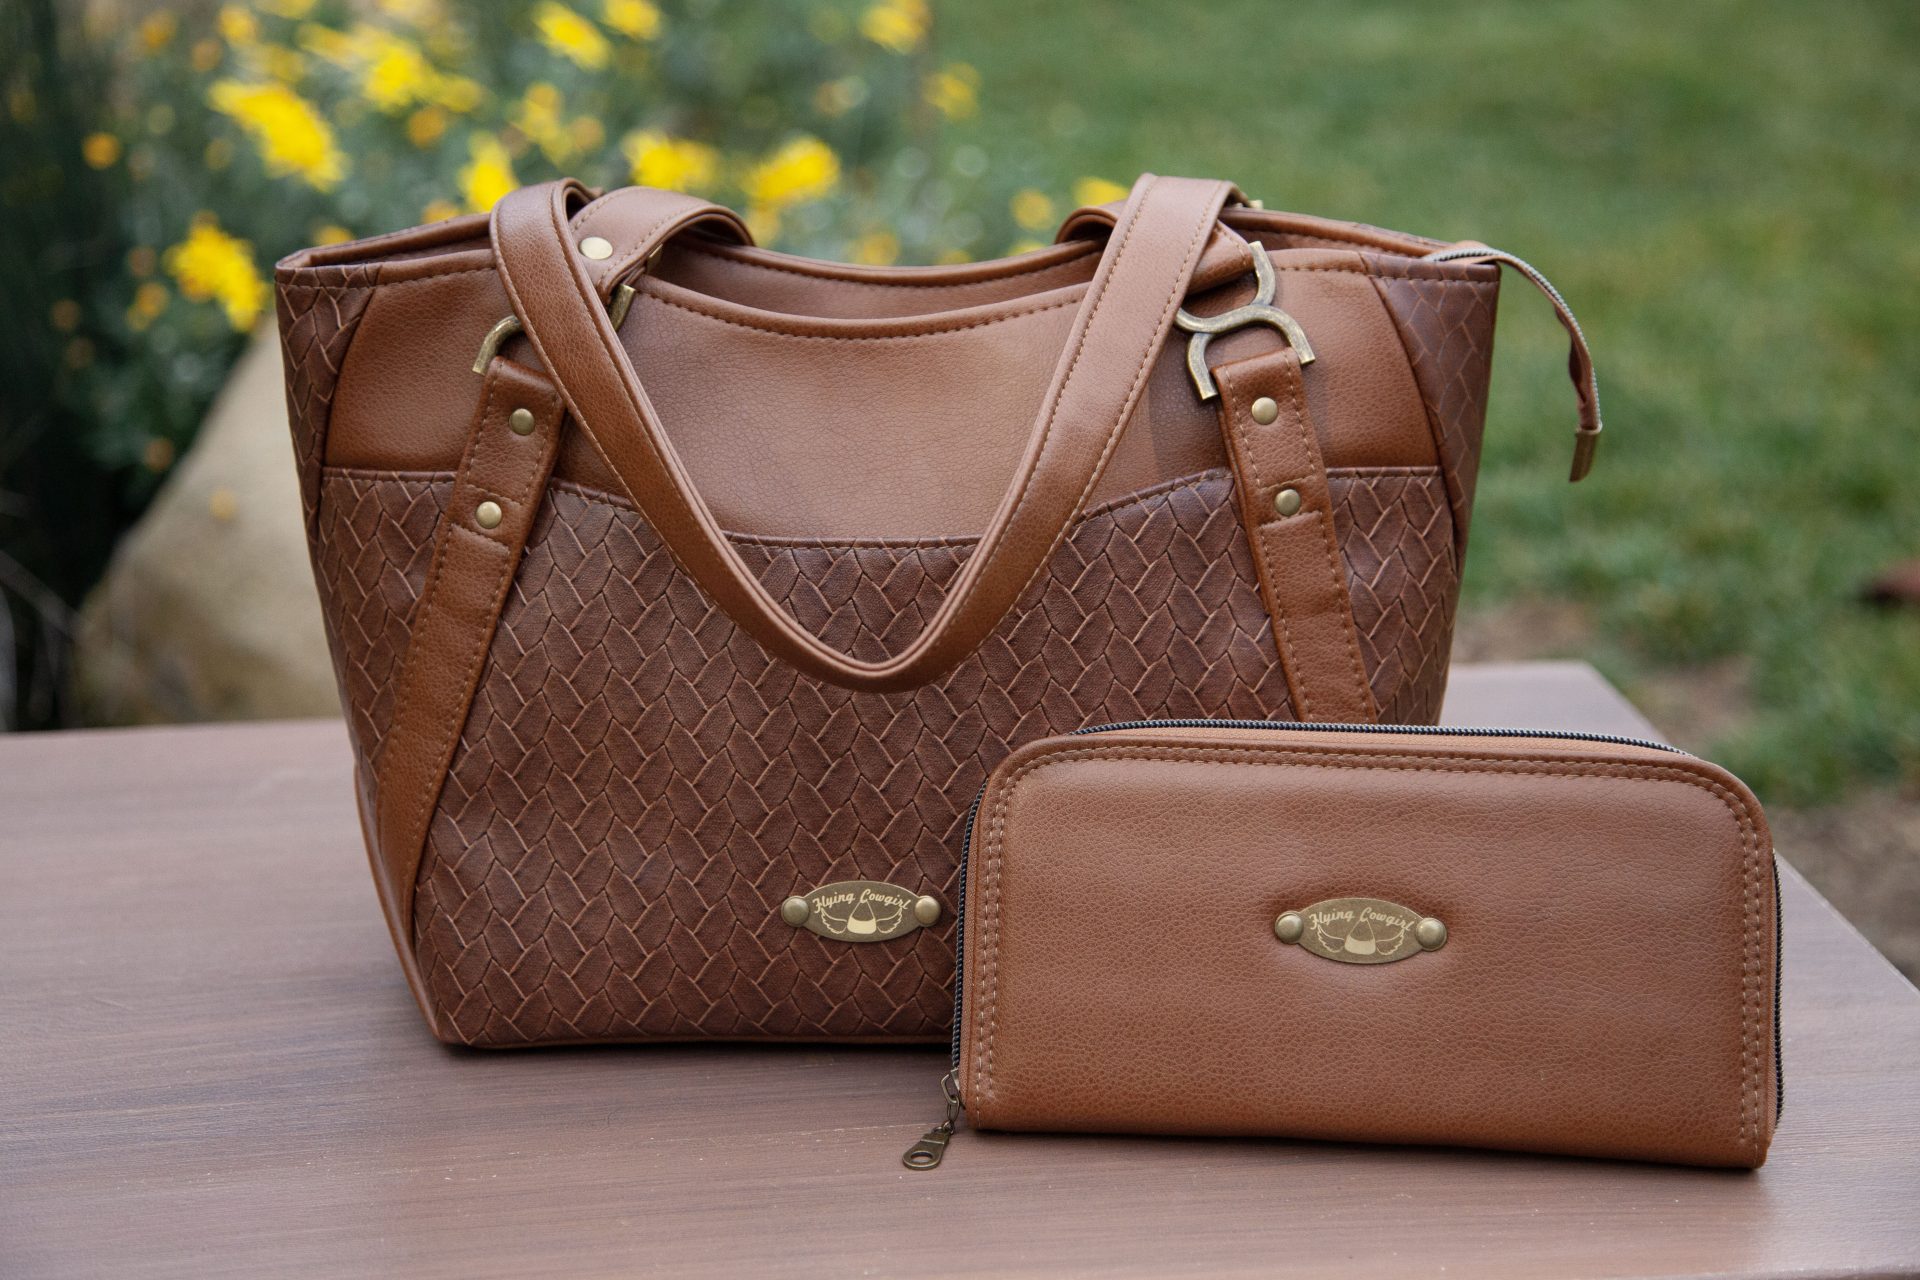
<point>1445,318</point>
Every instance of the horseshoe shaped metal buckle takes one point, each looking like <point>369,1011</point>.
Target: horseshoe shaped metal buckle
<point>1260,311</point>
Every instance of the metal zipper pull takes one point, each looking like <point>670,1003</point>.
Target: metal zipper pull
<point>932,1147</point>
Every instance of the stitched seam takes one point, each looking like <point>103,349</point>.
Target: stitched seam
<point>856,337</point>
<point>403,696</point>
<point>1323,517</point>
<point>987,1017</point>
<point>887,284</point>
<point>1263,562</point>
<point>432,276</point>
<point>1138,497</point>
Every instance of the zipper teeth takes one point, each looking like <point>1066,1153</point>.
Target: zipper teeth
<point>1404,730</point>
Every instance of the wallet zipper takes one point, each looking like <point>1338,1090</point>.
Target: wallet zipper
<point>931,1149</point>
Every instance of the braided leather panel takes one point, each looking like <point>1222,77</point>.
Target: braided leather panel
<point>318,310</point>
<point>638,786</point>
<point>1447,327</point>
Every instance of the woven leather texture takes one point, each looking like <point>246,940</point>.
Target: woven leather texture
<point>318,311</point>
<point>638,787</point>
<point>1447,328</point>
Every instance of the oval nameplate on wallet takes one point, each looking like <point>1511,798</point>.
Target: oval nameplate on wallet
<point>860,911</point>
<point>1360,930</point>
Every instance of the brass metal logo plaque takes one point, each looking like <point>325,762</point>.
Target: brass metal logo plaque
<point>860,911</point>
<point>1361,930</point>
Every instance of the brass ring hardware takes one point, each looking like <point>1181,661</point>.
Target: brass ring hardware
<point>861,911</point>
<point>599,248</point>
<point>1265,410</point>
<point>488,515</point>
<point>1360,930</point>
<point>1286,502</point>
<point>1259,311</point>
<point>520,422</point>
<point>617,308</point>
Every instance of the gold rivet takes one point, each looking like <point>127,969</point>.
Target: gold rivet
<point>1287,501</point>
<point>520,421</point>
<point>795,911</point>
<point>926,909</point>
<point>1431,934</point>
<point>596,248</point>
<point>488,515</point>
<point>1289,927</point>
<point>1265,410</point>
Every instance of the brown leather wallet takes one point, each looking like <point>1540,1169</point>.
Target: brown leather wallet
<point>1542,942</point>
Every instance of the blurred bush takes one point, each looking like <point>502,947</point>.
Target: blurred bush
<point>159,161</point>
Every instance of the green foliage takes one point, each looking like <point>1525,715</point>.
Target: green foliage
<point>1725,193</point>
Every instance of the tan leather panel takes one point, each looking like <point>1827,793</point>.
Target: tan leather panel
<point>777,429</point>
<point>1607,986</point>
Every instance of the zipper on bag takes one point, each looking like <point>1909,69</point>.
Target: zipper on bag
<point>931,1149</point>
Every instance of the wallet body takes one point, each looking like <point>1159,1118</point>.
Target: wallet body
<point>1489,938</point>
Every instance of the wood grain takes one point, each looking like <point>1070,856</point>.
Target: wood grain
<point>209,1066</point>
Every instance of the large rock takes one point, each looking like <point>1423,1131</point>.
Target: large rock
<point>208,610</point>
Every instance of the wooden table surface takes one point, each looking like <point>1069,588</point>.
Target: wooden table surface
<point>209,1066</point>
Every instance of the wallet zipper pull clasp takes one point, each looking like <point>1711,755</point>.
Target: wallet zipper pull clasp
<point>932,1147</point>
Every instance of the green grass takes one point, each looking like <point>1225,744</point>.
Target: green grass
<point>1726,194</point>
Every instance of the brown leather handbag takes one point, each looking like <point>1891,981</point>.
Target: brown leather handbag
<point>676,626</point>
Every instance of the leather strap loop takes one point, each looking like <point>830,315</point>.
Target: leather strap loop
<point>1286,507</point>
<point>476,552</point>
<point>1143,277</point>
<point>1579,359</point>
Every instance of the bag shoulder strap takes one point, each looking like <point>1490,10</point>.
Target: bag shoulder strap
<point>1141,280</point>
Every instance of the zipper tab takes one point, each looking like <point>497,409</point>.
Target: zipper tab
<point>932,1147</point>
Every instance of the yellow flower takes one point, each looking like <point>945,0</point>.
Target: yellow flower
<point>571,36</point>
<point>763,223</point>
<point>439,211</point>
<point>1097,191</point>
<point>292,9</point>
<point>206,55</point>
<point>458,93</point>
<point>282,63</point>
<point>490,174</point>
<point>330,233</point>
<point>397,75</point>
<point>289,134</point>
<point>676,164</point>
<point>141,260</point>
<point>100,150</point>
<point>425,126</point>
<point>149,300</point>
<point>539,118</point>
<point>414,12</point>
<point>953,257</point>
<point>639,19</point>
<point>218,155</point>
<point>212,266</point>
<point>238,27</point>
<point>586,134</point>
<point>158,29</point>
<point>804,169</point>
<point>1032,209</point>
<point>898,25</point>
<point>336,47</point>
<point>876,248</point>
<point>953,91</point>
